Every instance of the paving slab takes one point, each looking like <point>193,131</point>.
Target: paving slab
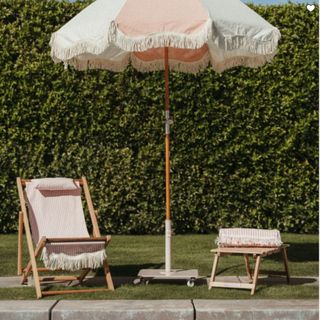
<point>272,280</point>
<point>256,309</point>
<point>26,309</point>
<point>10,282</point>
<point>160,309</point>
<point>124,310</point>
<point>15,281</point>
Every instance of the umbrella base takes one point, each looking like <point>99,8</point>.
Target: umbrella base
<point>175,274</point>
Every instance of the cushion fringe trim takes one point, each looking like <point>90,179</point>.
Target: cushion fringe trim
<point>62,261</point>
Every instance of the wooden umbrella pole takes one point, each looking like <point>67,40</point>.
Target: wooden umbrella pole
<point>168,272</point>
<point>167,129</point>
<point>167,143</point>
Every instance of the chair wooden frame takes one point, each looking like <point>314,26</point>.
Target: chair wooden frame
<point>35,252</point>
<point>258,253</point>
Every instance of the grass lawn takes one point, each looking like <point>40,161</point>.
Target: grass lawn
<point>128,254</point>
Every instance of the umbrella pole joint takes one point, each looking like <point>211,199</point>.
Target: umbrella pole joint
<point>168,122</point>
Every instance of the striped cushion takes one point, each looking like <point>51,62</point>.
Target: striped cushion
<point>245,237</point>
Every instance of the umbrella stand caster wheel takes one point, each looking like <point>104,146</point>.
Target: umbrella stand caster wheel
<point>190,283</point>
<point>137,281</point>
<point>141,281</point>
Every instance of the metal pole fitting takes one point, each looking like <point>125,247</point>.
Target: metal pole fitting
<point>168,122</point>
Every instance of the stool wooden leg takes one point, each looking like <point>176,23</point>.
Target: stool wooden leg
<point>285,261</point>
<point>256,273</point>
<point>214,269</point>
<point>246,260</point>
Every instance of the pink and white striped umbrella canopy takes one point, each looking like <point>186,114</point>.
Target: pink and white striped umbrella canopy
<point>110,34</point>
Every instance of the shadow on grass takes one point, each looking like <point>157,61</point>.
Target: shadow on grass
<point>233,267</point>
<point>282,280</point>
<point>300,252</point>
<point>129,270</point>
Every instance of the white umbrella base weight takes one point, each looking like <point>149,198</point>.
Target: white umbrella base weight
<point>161,274</point>
<point>168,273</point>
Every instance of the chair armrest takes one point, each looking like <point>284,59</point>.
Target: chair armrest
<point>108,237</point>
<point>91,239</point>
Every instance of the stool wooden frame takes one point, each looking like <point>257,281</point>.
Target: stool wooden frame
<point>258,253</point>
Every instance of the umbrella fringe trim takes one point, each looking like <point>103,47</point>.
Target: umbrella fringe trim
<point>240,42</point>
<point>252,62</point>
<point>158,40</point>
<point>174,65</point>
<point>193,41</point>
<point>115,66</point>
<point>59,54</point>
<point>183,41</point>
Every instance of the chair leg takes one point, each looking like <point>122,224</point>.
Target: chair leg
<point>36,276</point>
<point>107,273</point>
<point>20,244</point>
<point>83,275</point>
<point>214,269</point>
<point>27,270</point>
<point>256,274</point>
<point>25,273</point>
<point>285,261</point>
<point>248,269</point>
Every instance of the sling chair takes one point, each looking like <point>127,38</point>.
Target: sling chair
<point>54,223</point>
<point>244,241</point>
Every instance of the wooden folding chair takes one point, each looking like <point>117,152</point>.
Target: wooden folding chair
<point>258,253</point>
<point>34,252</point>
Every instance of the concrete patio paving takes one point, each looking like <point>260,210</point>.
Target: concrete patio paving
<point>159,309</point>
<point>246,309</point>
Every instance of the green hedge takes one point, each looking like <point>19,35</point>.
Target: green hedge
<point>244,142</point>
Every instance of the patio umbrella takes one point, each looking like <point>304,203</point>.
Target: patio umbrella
<point>180,35</point>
